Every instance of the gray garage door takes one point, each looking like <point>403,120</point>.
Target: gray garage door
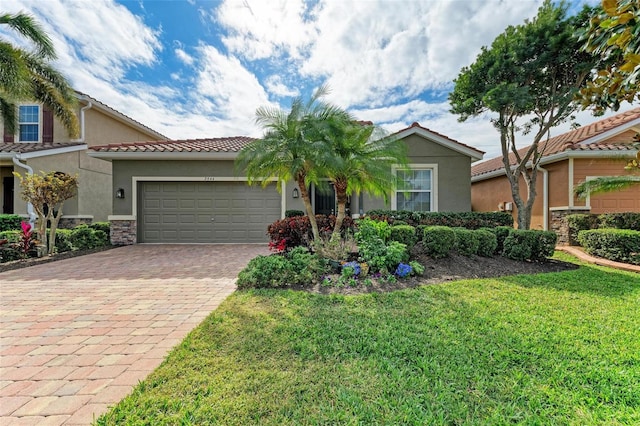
<point>206,212</point>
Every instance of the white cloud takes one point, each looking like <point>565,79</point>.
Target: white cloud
<point>184,56</point>
<point>276,86</point>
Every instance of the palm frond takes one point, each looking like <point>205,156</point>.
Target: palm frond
<point>605,184</point>
<point>27,26</point>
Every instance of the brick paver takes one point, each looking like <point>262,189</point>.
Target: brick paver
<point>76,335</point>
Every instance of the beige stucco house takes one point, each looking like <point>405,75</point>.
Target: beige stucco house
<point>188,191</point>
<point>41,143</point>
<point>599,149</point>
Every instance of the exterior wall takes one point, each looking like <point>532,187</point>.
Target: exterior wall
<point>627,200</point>
<point>487,195</point>
<point>454,172</point>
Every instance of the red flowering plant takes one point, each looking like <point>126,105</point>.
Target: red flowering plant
<point>27,240</point>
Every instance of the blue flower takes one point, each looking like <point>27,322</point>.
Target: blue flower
<point>403,270</point>
<point>354,265</point>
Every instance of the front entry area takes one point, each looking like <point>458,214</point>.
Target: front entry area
<point>206,212</point>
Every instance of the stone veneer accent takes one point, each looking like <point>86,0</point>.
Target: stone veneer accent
<point>72,222</point>
<point>124,232</point>
<point>560,226</point>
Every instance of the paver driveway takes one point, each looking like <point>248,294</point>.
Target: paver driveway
<point>76,335</point>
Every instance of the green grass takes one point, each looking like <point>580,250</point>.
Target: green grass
<point>561,349</point>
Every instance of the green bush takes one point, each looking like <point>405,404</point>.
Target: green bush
<point>438,241</point>
<point>530,244</point>
<point>293,213</point>
<point>101,226</point>
<point>469,220</point>
<point>502,232</point>
<point>580,222</point>
<point>622,245</point>
<point>487,242</point>
<point>63,240</point>
<point>405,234</point>
<point>369,229</point>
<point>619,221</point>
<point>10,222</point>
<point>281,270</point>
<point>11,236</point>
<point>467,242</point>
<point>82,237</point>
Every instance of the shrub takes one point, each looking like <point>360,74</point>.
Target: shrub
<point>405,234</point>
<point>580,222</point>
<point>621,245</point>
<point>10,236</point>
<point>502,232</point>
<point>469,220</point>
<point>487,242</point>
<point>101,226</point>
<point>82,237</point>
<point>299,266</point>
<point>296,230</point>
<point>438,241</point>
<point>529,244</point>
<point>63,240</point>
<point>10,222</point>
<point>369,229</point>
<point>466,243</point>
<point>373,248</point>
<point>293,213</point>
<point>619,221</point>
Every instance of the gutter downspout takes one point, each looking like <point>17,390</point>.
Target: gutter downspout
<point>545,198</point>
<point>32,215</point>
<point>82,125</point>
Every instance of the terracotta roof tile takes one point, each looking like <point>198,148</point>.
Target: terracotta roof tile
<point>24,148</point>
<point>573,141</point>
<point>229,144</point>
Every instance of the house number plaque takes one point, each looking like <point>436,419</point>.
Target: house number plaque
<point>209,178</point>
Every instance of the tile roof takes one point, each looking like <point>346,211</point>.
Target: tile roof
<point>417,125</point>
<point>574,140</point>
<point>25,148</point>
<point>229,144</point>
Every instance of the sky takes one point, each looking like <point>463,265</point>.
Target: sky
<point>200,69</point>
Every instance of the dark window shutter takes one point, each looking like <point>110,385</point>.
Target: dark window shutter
<point>47,125</point>
<point>8,137</point>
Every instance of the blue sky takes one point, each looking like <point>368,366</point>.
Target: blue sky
<point>190,68</point>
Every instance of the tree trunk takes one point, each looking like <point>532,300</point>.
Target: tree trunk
<point>308,207</point>
<point>55,219</point>
<point>341,197</point>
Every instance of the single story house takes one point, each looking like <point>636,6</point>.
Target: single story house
<point>41,143</point>
<point>189,191</point>
<point>598,149</point>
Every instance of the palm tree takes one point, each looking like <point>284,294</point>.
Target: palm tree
<point>27,75</point>
<point>361,159</point>
<point>291,147</point>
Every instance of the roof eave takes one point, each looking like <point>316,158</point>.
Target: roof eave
<point>42,153</point>
<point>555,158</point>
<point>186,156</point>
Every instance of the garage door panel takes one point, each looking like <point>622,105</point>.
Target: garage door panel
<point>181,212</point>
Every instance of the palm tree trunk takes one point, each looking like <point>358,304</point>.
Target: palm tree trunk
<point>341,196</point>
<point>308,207</point>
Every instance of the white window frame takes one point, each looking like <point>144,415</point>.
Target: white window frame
<point>434,183</point>
<point>39,123</point>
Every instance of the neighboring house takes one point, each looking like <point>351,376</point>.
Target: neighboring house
<point>189,191</point>
<point>42,143</point>
<point>599,149</point>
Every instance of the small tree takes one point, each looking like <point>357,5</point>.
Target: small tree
<point>529,77</point>
<point>47,193</point>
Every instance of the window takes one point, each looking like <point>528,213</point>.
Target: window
<point>29,123</point>
<point>417,187</point>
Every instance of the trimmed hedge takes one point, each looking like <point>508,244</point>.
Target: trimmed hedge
<point>469,220</point>
<point>622,245</point>
<point>438,241</point>
<point>487,242</point>
<point>405,234</point>
<point>620,221</point>
<point>10,222</point>
<point>63,240</point>
<point>467,242</point>
<point>82,237</point>
<point>293,213</point>
<point>529,244</point>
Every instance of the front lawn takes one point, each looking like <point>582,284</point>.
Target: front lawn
<point>558,348</point>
